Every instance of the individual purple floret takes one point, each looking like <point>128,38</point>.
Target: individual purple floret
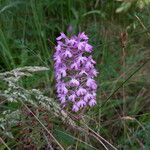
<point>75,71</point>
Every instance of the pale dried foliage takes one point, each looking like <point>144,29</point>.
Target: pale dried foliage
<point>35,97</point>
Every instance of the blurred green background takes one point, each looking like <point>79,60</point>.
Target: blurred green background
<point>120,33</point>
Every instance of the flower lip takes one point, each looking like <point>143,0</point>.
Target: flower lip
<point>87,97</point>
<point>88,48</point>
<point>88,65</point>
<point>62,36</point>
<point>81,91</point>
<point>81,60</point>
<point>74,66</point>
<point>81,103</point>
<point>92,102</point>
<point>67,53</point>
<point>74,82</point>
<point>61,88</point>
<point>75,108</point>
<point>72,97</point>
<point>83,36</point>
<point>62,72</point>
<point>91,83</point>
<point>81,45</point>
<point>83,72</point>
<point>62,98</point>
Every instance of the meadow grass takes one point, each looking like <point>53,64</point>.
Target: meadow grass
<point>121,41</point>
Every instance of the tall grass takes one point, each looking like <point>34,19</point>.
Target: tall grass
<point>121,48</point>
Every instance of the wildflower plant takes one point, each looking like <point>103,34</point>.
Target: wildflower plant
<point>75,72</point>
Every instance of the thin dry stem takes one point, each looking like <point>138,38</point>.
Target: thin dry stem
<point>4,143</point>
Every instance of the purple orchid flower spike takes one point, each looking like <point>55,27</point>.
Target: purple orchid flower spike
<point>75,71</point>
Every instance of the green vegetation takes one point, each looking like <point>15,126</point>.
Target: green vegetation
<point>120,33</point>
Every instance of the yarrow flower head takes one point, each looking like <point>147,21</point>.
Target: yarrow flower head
<point>75,71</point>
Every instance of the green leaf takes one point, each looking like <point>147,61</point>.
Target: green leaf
<point>64,138</point>
<point>124,7</point>
<point>94,12</point>
<point>2,147</point>
<point>68,139</point>
<point>142,3</point>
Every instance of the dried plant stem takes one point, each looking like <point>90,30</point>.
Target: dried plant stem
<point>42,125</point>
<point>85,128</point>
<point>82,129</point>
<point>4,143</point>
<point>142,24</point>
<point>123,91</point>
<point>100,137</point>
<point>76,138</point>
